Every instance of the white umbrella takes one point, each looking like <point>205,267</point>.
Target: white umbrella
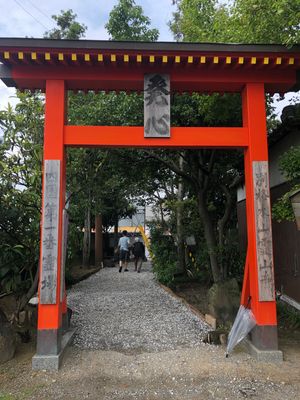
<point>244,322</point>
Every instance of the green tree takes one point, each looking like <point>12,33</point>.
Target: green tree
<point>128,22</point>
<point>20,183</point>
<point>20,187</point>
<point>67,27</point>
<point>259,21</point>
<point>290,166</point>
<point>237,21</point>
<point>94,189</point>
<point>214,175</point>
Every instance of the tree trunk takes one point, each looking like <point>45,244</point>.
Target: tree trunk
<point>180,239</point>
<point>116,233</point>
<point>209,238</point>
<point>87,239</point>
<point>32,290</point>
<point>98,241</point>
<point>221,228</point>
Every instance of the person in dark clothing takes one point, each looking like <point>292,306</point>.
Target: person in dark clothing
<point>138,251</point>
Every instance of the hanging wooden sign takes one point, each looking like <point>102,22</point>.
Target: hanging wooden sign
<point>156,105</point>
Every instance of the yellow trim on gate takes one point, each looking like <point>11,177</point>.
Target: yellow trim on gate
<point>291,60</point>
<point>33,56</point>
<point>100,57</point>
<point>177,59</point>
<point>60,57</point>
<point>113,58</point>
<point>47,56</point>
<point>216,60</point>
<point>228,60</point>
<point>139,58</point>
<point>190,59</point>
<point>253,60</point>
<point>278,60</point>
<point>266,60</point>
<point>152,59</point>
<point>74,57</point>
<point>165,59</point>
<point>20,55</point>
<point>202,60</point>
<point>87,57</point>
<point>126,58</point>
<point>6,55</point>
<point>241,60</point>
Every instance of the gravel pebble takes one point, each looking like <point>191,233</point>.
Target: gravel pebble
<point>129,312</point>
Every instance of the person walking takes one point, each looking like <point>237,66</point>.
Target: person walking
<point>139,253</point>
<point>123,247</point>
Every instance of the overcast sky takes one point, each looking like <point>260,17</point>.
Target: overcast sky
<point>31,18</point>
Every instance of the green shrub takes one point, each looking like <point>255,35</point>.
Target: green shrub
<point>164,256</point>
<point>288,317</point>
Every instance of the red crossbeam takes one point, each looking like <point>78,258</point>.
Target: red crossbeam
<point>128,136</point>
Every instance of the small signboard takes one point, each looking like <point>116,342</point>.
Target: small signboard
<point>190,240</point>
<point>48,281</point>
<point>157,105</point>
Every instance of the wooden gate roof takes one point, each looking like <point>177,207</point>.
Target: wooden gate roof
<point>115,66</point>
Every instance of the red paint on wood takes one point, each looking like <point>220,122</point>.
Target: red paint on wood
<point>50,315</point>
<point>246,284</point>
<point>254,118</point>
<point>127,136</point>
<point>203,78</point>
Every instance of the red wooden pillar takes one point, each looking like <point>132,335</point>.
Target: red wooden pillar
<point>50,295</point>
<point>260,274</point>
<point>63,293</point>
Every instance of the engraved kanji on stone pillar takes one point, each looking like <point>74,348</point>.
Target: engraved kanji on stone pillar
<point>156,105</point>
<point>264,247</point>
<point>50,232</point>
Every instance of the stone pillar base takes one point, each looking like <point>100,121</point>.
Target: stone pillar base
<point>262,343</point>
<point>263,355</point>
<point>66,320</point>
<point>49,341</point>
<point>53,361</point>
<point>265,337</point>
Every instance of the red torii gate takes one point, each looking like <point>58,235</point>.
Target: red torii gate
<point>55,66</point>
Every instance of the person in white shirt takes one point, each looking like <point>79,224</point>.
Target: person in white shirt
<point>123,246</point>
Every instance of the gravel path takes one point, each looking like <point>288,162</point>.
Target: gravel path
<point>130,312</point>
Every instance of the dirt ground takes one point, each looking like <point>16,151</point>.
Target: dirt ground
<point>201,373</point>
<point>182,374</point>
